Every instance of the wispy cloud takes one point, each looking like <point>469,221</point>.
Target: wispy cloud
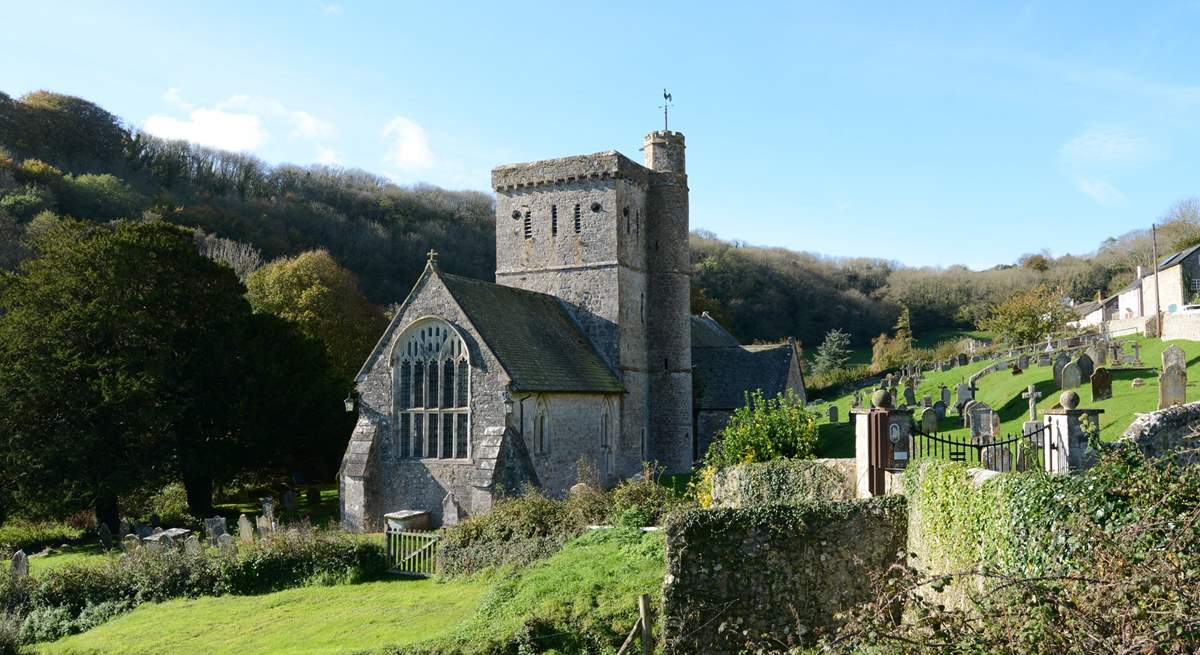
<point>1092,158</point>
<point>241,123</point>
<point>409,149</point>
<point>332,9</point>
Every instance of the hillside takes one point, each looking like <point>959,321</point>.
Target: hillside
<point>67,156</point>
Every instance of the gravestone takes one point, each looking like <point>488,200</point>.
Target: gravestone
<point>105,535</point>
<point>226,544</point>
<point>910,396</point>
<point>997,458</point>
<point>1137,354</point>
<point>20,565</point>
<point>289,500</point>
<point>1173,355</point>
<point>1060,361</point>
<point>1172,386</point>
<point>1091,352</point>
<point>962,395</point>
<point>1044,359</point>
<point>929,421</point>
<point>945,394</point>
<point>1032,395</point>
<point>151,545</point>
<point>264,526</point>
<point>927,401</point>
<point>1100,356</point>
<point>245,530</point>
<point>214,528</point>
<point>1087,366</point>
<point>963,360</point>
<point>1101,384</point>
<point>965,412</point>
<point>268,509</point>
<point>167,541</point>
<point>940,408</point>
<point>123,529</point>
<point>191,545</point>
<point>130,543</point>
<point>1023,362</point>
<point>982,423</point>
<point>1071,376</point>
<point>833,416</point>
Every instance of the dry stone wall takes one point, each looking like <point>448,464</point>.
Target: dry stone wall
<point>1166,431</point>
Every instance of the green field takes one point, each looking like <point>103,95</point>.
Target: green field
<point>1002,391</point>
<point>590,587</point>
<point>925,339</point>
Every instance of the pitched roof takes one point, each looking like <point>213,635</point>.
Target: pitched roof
<point>536,340</point>
<point>707,333</point>
<point>722,375</point>
<point>1177,257</point>
<point>1085,308</point>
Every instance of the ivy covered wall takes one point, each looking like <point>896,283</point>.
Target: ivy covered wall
<point>772,576</point>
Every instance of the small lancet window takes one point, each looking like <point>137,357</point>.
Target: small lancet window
<point>578,217</point>
<point>553,220</point>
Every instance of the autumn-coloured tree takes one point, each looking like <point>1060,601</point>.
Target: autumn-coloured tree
<point>1028,316</point>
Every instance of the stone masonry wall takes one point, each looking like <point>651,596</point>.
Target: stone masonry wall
<point>1181,326</point>
<point>1167,430</point>
<point>734,575</point>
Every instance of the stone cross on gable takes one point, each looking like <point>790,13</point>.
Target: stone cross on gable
<point>1032,394</point>
<point>433,255</point>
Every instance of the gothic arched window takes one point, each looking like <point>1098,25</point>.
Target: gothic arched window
<point>432,379</point>
<point>607,450</point>
<point>541,427</point>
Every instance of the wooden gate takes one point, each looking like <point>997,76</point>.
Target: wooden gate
<point>411,552</point>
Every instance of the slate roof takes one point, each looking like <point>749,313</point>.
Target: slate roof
<point>1177,257</point>
<point>536,340</point>
<point>722,375</point>
<point>707,333</point>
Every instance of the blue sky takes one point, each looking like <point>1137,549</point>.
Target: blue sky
<point>932,134</point>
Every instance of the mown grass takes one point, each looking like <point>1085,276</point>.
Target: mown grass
<point>585,594</point>
<point>1002,391</point>
<point>83,555</point>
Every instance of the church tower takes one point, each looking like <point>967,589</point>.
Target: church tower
<point>609,237</point>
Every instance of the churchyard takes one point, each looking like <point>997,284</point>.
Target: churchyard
<point>1003,392</point>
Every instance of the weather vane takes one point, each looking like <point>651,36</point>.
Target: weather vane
<point>666,105</point>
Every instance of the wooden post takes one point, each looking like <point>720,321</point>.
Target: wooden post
<point>644,619</point>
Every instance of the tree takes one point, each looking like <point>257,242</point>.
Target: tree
<point>313,292</point>
<point>122,367</point>
<point>903,330</point>
<point>833,353</point>
<point>1028,316</point>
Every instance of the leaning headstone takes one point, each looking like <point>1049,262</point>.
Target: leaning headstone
<point>1071,376</point>
<point>1087,366</point>
<point>20,564</point>
<point>939,408</point>
<point>1101,384</point>
<point>929,421</point>
<point>130,543</point>
<point>962,395</point>
<point>191,545</point>
<point>226,544</point>
<point>105,535</point>
<point>245,530</point>
<point>1172,385</point>
<point>833,414</point>
<point>214,528</point>
<point>965,412</point>
<point>1173,354</point>
<point>1093,354</point>
<point>1060,361</point>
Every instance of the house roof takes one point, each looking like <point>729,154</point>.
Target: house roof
<point>1176,258</point>
<point>1085,308</point>
<point>536,340</point>
<point>721,376</point>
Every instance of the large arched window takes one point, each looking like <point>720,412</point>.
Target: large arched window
<point>432,380</point>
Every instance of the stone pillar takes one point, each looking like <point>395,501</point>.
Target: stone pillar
<point>1066,436</point>
<point>882,436</point>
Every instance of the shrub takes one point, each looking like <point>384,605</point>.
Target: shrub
<point>10,634</point>
<point>779,482</point>
<point>836,378</point>
<point>641,502</point>
<point>523,517</point>
<point>46,624</point>
<point>33,536</point>
<point>763,430</point>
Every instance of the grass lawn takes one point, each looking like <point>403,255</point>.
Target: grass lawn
<point>309,620</point>
<point>81,554</point>
<point>591,585</point>
<point>1002,391</point>
<point>320,515</point>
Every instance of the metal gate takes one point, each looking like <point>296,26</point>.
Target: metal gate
<point>412,553</point>
<point>1023,452</point>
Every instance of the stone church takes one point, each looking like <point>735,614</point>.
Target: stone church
<point>583,348</point>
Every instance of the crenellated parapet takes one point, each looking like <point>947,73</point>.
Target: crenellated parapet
<point>599,166</point>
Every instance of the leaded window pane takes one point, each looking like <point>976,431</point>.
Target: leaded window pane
<point>418,431</point>
<point>432,395</point>
<point>448,436</point>
<point>405,436</point>
<point>432,451</point>
<point>404,399</point>
<point>463,374</point>
<point>448,385</point>
<point>461,433</point>
<point>418,384</point>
